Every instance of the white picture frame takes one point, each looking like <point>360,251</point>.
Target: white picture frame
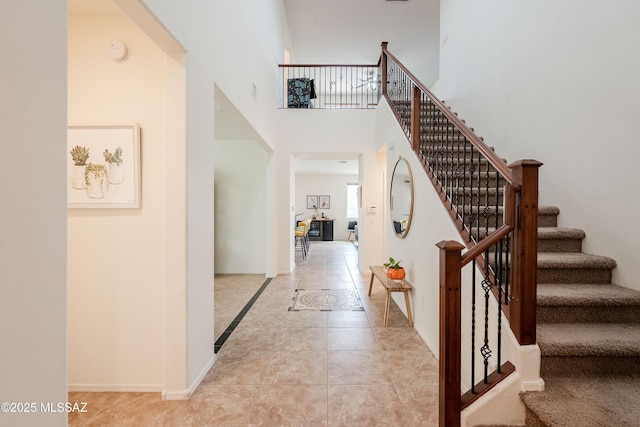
<point>324,202</point>
<point>312,202</point>
<point>110,177</point>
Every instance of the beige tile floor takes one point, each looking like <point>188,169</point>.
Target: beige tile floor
<point>297,368</point>
<point>231,294</point>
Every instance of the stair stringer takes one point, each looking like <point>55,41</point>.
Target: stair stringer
<point>502,404</point>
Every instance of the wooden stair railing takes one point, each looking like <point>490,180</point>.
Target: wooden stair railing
<point>495,209</point>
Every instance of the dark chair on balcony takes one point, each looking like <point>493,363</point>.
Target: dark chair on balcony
<point>300,92</point>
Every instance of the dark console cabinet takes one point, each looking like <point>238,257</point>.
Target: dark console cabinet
<point>327,230</point>
<point>315,231</point>
<point>321,229</point>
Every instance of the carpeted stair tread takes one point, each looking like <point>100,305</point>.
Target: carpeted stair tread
<point>551,233</point>
<point>498,425</point>
<point>587,402</point>
<point>548,211</point>
<point>557,239</point>
<point>574,260</point>
<point>587,303</point>
<point>548,233</point>
<point>592,295</point>
<point>593,339</point>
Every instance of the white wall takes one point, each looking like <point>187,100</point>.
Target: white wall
<point>333,185</point>
<point>116,290</point>
<point>231,45</point>
<point>33,111</point>
<point>238,43</point>
<point>371,219</point>
<point>431,224</point>
<point>240,202</point>
<point>200,221</point>
<point>555,81</point>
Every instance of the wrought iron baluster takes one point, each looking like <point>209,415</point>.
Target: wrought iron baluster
<point>478,199</point>
<point>499,284</point>
<point>423,125</point>
<point>473,327</point>
<point>471,218</point>
<point>507,268</point>
<point>445,159</point>
<point>457,176</point>
<point>441,158</point>
<point>323,82</point>
<point>464,178</point>
<point>433,141</point>
<point>499,270</point>
<point>332,85</point>
<point>349,79</point>
<point>428,130</point>
<point>434,132</point>
<point>486,201</point>
<point>486,350</point>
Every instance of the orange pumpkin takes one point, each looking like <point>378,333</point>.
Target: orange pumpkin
<point>395,273</point>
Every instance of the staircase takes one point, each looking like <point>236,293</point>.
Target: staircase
<point>588,333</point>
<point>588,329</point>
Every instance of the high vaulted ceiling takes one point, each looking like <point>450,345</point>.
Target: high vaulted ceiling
<point>347,31</point>
<point>351,31</point>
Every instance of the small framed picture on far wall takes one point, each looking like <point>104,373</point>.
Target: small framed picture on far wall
<point>312,202</point>
<point>325,202</point>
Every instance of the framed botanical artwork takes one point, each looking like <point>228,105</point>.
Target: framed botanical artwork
<point>312,202</point>
<point>325,202</point>
<point>103,166</point>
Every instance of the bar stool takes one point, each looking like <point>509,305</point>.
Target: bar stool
<point>301,235</point>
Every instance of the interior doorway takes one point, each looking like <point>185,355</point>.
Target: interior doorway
<point>325,179</point>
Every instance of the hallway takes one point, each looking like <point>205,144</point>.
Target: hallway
<point>299,368</point>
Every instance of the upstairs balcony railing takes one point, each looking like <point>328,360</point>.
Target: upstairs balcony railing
<point>495,208</point>
<point>330,86</point>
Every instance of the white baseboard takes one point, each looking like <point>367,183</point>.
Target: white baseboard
<point>145,388</point>
<point>176,395</point>
<point>186,394</point>
<point>125,388</point>
<point>426,341</point>
<point>537,385</point>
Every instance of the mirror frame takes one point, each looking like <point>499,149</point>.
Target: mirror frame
<point>404,232</point>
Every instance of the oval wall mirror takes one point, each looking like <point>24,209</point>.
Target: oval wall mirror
<point>401,198</point>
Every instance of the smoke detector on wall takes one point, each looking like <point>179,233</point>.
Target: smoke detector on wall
<point>117,51</point>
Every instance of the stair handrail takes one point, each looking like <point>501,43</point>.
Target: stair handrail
<point>464,129</point>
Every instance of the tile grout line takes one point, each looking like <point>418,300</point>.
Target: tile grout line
<point>236,321</point>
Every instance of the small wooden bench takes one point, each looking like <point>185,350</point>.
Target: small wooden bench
<point>391,285</point>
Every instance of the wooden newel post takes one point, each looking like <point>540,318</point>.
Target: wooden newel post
<point>524,260</point>
<point>383,66</point>
<point>415,118</point>
<point>450,332</point>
